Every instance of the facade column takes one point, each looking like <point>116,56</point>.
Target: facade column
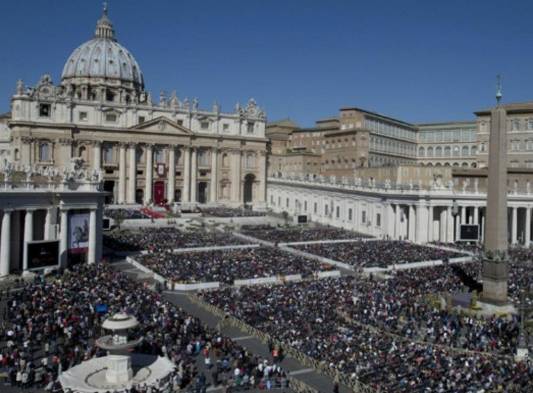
<point>148,174</point>
<point>412,223</point>
<point>5,243</point>
<point>63,241</point>
<point>261,189</point>
<point>442,225</point>
<point>527,232</point>
<point>514,225</point>
<point>132,172</point>
<point>185,197</point>
<point>214,175</point>
<point>171,186</point>
<point>91,257</point>
<point>28,237</point>
<point>476,215</point>
<point>483,221</point>
<point>389,220</point>
<point>97,155</point>
<point>122,174</point>
<point>194,174</point>
<point>449,225</point>
<point>236,176</point>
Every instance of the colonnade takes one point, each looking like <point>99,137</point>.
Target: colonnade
<point>10,235</point>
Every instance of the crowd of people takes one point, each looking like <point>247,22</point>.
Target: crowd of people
<point>377,253</point>
<point>51,326</point>
<point>298,234</point>
<point>228,265</point>
<point>388,334</point>
<point>124,214</point>
<point>222,211</point>
<point>163,239</point>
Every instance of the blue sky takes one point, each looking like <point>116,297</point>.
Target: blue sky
<point>420,61</point>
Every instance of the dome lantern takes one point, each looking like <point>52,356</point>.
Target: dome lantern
<point>104,27</point>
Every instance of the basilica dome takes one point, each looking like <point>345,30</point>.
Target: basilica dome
<point>103,60</point>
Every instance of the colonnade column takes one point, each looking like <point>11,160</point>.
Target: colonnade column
<point>63,240</point>
<point>5,243</point>
<point>185,197</point>
<point>132,172</point>
<point>91,257</point>
<point>421,232</point>
<point>236,176</point>
<point>398,222</point>
<point>28,237</point>
<point>449,225</point>
<point>122,174</point>
<point>431,228</point>
<point>457,227</point>
<point>463,214</point>
<point>97,152</point>
<point>514,225</point>
<point>194,174</point>
<point>476,215</point>
<point>389,217</point>
<point>412,224</point>
<point>47,224</point>
<point>148,174</point>
<point>214,174</point>
<point>528,227</point>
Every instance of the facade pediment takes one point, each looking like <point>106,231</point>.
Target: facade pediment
<point>162,124</point>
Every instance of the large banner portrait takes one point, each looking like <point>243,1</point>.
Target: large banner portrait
<point>78,232</point>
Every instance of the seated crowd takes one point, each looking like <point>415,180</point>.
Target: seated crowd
<point>124,214</point>
<point>228,265</point>
<point>162,239</point>
<point>51,326</point>
<point>378,253</point>
<point>222,211</point>
<point>387,334</point>
<point>298,234</point>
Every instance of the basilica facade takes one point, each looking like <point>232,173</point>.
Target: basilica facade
<point>164,152</point>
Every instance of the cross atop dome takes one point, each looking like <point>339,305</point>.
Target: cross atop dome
<point>104,27</point>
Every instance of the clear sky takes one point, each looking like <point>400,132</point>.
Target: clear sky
<point>419,61</point>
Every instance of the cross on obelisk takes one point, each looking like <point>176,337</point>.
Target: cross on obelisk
<point>495,270</point>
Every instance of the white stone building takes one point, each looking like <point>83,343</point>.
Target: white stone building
<point>170,151</point>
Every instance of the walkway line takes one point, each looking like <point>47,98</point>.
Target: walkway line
<point>242,338</point>
<point>302,371</point>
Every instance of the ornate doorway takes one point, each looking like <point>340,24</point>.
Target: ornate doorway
<point>159,192</point>
<point>248,188</point>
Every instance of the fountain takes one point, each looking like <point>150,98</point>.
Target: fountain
<point>115,372</point>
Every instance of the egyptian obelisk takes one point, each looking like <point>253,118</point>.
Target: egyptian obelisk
<point>495,269</point>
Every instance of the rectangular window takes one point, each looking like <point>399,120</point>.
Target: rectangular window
<point>180,122</point>
<point>279,201</point>
<point>141,119</point>
<point>350,214</point>
<point>378,219</point>
<point>250,127</point>
<point>44,110</point>
<point>363,217</point>
<point>82,116</point>
<point>305,206</point>
<point>225,127</point>
<point>315,208</point>
<point>204,125</point>
<point>325,210</point>
<point>287,202</point>
<point>272,199</point>
<point>338,212</point>
<point>111,117</point>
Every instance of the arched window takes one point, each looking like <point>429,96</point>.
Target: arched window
<point>464,151</point>
<point>82,153</point>
<point>438,151</point>
<point>44,152</point>
<point>17,154</point>
<point>430,152</point>
<point>447,151</point>
<point>421,152</point>
<point>473,150</point>
<point>225,160</point>
<point>456,151</point>
<point>202,158</point>
<point>250,160</point>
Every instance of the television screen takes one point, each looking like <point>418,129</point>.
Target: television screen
<point>469,232</point>
<point>43,253</point>
<point>302,219</point>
